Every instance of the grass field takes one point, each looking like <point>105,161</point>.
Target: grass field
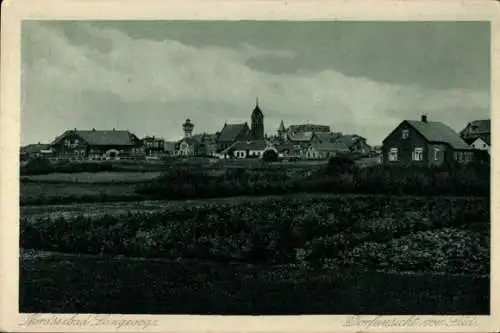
<point>93,177</point>
<point>34,192</point>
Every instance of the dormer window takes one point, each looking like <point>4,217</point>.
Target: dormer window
<point>405,134</point>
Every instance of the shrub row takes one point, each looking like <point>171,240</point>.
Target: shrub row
<point>371,180</point>
<point>268,231</point>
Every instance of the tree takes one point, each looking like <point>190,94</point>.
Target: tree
<point>341,163</point>
<point>270,156</point>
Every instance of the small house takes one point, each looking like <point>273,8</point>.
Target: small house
<point>425,143</point>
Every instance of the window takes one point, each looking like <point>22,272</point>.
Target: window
<point>418,154</point>
<point>66,143</point>
<point>484,145</point>
<point>393,154</point>
<point>405,134</point>
<point>435,154</point>
<point>82,153</point>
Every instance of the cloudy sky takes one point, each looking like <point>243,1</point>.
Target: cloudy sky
<point>149,76</point>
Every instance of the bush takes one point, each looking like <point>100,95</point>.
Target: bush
<point>340,164</point>
<point>270,156</point>
<point>37,166</point>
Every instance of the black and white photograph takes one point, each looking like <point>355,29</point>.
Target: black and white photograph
<point>255,167</point>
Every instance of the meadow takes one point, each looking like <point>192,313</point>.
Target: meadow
<point>254,255</point>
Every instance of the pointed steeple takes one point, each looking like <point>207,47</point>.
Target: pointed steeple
<point>282,127</point>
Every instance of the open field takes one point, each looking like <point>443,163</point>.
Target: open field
<point>99,285</point>
<point>37,192</point>
<point>93,177</point>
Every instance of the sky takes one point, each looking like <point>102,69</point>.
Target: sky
<point>149,76</point>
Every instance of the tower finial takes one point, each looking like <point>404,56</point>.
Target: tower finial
<point>257,101</point>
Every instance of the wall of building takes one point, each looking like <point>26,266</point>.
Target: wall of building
<point>405,146</point>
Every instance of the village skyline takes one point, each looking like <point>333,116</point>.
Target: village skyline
<point>148,77</point>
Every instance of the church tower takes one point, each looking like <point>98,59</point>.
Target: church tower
<point>257,118</point>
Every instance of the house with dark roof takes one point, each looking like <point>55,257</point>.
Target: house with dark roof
<point>476,129</point>
<point>356,143</point>
<point>231,133</point>
<point>96,144</point>
<point>425,143</point>
<point>325,149</point>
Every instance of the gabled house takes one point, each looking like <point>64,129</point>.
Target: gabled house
<point>481,143</point>
<point>248,149</point>
<point>325,149</point>
<point>231,133</point>
<point>96,144</point>
<point>425,143</point>
<point>356,143</point>
<point>476,129</point>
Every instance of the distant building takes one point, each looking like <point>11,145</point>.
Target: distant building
<point>282,131</point>
<point>476,129</point>
<point>257,125</point>
<point>301,128</point>
<point>324,150</point>
<point>249,149</point>
<point>188,146</point>
<point>231,133</point>
<point>170,148</point>
<point>36,150</point>
<point>482,143</point>
<point>153,147</point>
<point>425,143</point>
<point>96,144</point>
<point>356,144</point>
<point>207,143</point>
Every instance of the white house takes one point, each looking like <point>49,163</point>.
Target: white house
<point>481,144</point>
<point>249,149</point>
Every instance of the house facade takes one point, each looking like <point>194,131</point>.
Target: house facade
<point>424,143</point>
<point>153,147</point>
<point>96,145</point>
<point>249,149</point>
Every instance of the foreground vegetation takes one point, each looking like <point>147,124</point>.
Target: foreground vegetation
<point>60,284</point>
<point>440,234</point>
<point>275,255</point>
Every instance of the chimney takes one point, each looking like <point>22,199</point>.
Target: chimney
<point>424,118</point>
